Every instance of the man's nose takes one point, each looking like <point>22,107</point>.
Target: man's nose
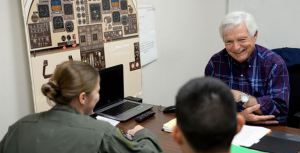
<point>236,46</point>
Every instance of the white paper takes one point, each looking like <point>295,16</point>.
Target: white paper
<point>250,135</point>
<point>169,126</point>
<point>111,121</point>
<point>148,49</point>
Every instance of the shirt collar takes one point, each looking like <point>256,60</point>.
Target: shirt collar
<point>66,108</point>
<point>251,59</point>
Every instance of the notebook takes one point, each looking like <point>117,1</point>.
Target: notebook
<point>112,103</point>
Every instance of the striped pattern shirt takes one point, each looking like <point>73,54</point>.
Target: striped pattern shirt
<point>264,75</point>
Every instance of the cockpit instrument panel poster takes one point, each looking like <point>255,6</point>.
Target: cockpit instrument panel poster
<point>102,33</point>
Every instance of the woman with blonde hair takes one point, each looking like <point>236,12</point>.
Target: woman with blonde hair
<point>67,127</point>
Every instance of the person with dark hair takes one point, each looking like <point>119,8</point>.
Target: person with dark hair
<point>67,127</point>
<point>257,76</point>
<point>206,116</point>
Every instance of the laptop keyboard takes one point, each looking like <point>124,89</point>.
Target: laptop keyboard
<point>120,108</point>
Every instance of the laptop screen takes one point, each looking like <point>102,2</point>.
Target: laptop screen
<point>111,86</point>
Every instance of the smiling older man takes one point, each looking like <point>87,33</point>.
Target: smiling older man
<point>258,78</point>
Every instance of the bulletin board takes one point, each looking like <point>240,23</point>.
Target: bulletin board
<point>102,33</point>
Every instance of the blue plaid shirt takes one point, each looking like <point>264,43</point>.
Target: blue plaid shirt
<point>264,75</point>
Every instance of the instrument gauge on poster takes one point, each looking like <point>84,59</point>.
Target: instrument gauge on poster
<point>69,26</point>
<point>95,12</point>
<point>124,20</point>
<point>58,22</point>
<point>105,5</point>
<point>123,4</point>
<point>107,19</point>
<point>116,16</point>
<point>43,11</point>
<point>68,9</point>
<point>115,4</point>
<point>56,5</point>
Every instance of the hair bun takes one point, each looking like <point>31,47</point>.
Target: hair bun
<point>50,89</point>
<point>53,84</point>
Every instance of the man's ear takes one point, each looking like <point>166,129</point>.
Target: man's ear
<point>240,122</point>
<point>255,35</point>
<point>177,135</point>
<point>82,98</point>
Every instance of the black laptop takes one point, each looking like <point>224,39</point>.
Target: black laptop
<point>112,103</point>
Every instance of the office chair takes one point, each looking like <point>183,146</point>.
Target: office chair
<point>291,56</point>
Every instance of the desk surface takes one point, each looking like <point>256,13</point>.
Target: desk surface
<point>165,139</point>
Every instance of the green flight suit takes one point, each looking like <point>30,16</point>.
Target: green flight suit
<point>63,130</point>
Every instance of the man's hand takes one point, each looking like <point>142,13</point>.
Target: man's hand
<point>250,117</point>
<point>251,102</point>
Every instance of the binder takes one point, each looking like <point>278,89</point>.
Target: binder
<point>277,145</point>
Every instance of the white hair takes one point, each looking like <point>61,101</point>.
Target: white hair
<point>236,18</point>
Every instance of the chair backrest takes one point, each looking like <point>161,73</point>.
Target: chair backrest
<point>291,56</point>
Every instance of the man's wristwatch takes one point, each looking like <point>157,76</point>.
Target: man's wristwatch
<point>241,105</point>
<point>244,99</point>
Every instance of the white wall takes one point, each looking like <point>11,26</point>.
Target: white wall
<point>187,36</point>
<point>15,89</point>
<point>278,21</point>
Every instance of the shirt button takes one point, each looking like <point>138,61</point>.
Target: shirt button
<point>242,75</point>
<point>249,65</point>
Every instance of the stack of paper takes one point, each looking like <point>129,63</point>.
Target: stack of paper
<point>250,135</point>
<point>168,127</point>
<point>111,121</point>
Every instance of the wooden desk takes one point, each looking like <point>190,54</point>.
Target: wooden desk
<point>165,139</point>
